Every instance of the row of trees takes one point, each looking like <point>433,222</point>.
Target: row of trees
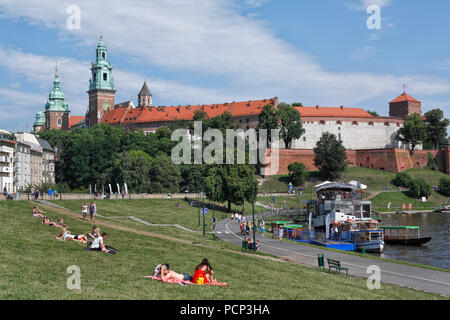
<point>431,133</point>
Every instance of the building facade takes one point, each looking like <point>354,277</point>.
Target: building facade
<point>7,145</point>
<point>48,161</point>
<point>22,166</point>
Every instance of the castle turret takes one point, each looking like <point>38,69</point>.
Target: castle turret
<point>145,96</point>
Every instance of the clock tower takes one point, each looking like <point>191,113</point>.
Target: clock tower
<point>101,87</point>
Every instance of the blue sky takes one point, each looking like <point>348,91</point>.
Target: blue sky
<point>190,52</point>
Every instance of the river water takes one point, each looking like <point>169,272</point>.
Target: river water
<point>436,252</point>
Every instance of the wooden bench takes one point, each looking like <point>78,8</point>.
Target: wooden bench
<point>336,265</point>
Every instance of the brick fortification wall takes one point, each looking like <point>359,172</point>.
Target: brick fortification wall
<point>391,160</point>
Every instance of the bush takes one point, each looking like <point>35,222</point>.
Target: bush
<point>444,186</point>
<point>419,188</point>
<point>402,179</point>
<point>431,164</point>
<point>297,173</point>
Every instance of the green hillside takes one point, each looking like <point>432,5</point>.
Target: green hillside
<point>33,262</point>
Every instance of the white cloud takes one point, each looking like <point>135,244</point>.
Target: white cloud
<point>364,4</point>
<point>205,38</point>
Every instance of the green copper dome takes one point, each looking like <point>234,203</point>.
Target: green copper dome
<point>101,70</point>
<point>56,101</point>
<point>40,119</point>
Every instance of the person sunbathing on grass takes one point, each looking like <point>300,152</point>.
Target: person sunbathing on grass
<point>204,273</point>
<point>37,212</point>
<point>67,236</point>
<point>163,272</point>
<point>48,222</point>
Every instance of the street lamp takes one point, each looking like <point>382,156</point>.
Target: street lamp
<point>203,205</point>
<point>253,208</point>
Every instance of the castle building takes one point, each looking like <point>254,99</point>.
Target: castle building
<point>7,145</point>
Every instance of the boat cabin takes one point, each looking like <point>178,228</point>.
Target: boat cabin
<point>401,232</point>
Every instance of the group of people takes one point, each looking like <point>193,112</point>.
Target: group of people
<point>92,210</point>
<point>247,226</point>
<point>36,193</point>
<point>96,244</point>
<point>203,274</point>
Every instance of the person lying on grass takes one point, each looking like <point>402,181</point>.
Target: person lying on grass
<point>37,212</point>
<point>163,272</point>
<point>204,273</point>
<point>48,222</point>
<point>66,236</point>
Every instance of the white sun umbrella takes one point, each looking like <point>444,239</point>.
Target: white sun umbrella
<point>356,183</point>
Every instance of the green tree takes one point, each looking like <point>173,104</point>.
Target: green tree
<point>267,119</point>
<point>419,188</point>
<point>413,132</point>
<point>330,156</point>
<point>373,113</point>
<point>297,173</point>
<point>231,184</point>
<point>431,164</point>
<point>402,179</point>
<point>436,129</point>
<point>444,186</point>
<point>133,168</point>
<point>164,175</point>
<point>297,104</point>
<point>290,123</point>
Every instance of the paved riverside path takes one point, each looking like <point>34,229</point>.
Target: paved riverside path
<point>402,275</point>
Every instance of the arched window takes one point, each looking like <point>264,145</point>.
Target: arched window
<point>386,124</point>
<point>354,123</point>
<point>370,123</point>
<point>339,122</point>
<point>322,122</point>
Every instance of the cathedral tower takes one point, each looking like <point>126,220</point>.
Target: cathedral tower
<point>101,87</point>
<point>56,109</point>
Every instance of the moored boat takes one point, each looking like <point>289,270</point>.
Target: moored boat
<point>403,235</point>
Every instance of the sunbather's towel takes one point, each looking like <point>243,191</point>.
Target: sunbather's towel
<point>184,281</point>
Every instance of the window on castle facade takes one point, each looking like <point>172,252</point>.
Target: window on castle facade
<point>370,123</point>
<point>105,77</point>
<point>59,122</point>
<point>355,123</point>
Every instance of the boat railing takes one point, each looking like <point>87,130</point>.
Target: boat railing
<point>342,236</point>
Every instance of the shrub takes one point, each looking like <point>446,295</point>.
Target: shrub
<point>297,173</point>
<point>444,186</point>
<point>431,164</point>
<point>419,188</point>
<point>402,179</point>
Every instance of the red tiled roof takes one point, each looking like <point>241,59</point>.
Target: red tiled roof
<point>114,116</point>
<point>73,120</point>
<point>404,97</point>
<point>333,112</point>
<point>237,109</point>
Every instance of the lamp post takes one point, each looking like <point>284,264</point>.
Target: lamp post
<point>198,202</point>
<point>253,209</point>
<point>60,178</point>
<point>203,205</point>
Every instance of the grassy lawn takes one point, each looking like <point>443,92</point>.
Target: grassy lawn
<point>398,198</point>
<point>33,263</point>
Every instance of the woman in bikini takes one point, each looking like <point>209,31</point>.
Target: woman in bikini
<point>162,271</point>
<point>37,212</point>
<point>66,236</point>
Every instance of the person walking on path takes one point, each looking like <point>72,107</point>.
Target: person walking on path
<point>92,211</point>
